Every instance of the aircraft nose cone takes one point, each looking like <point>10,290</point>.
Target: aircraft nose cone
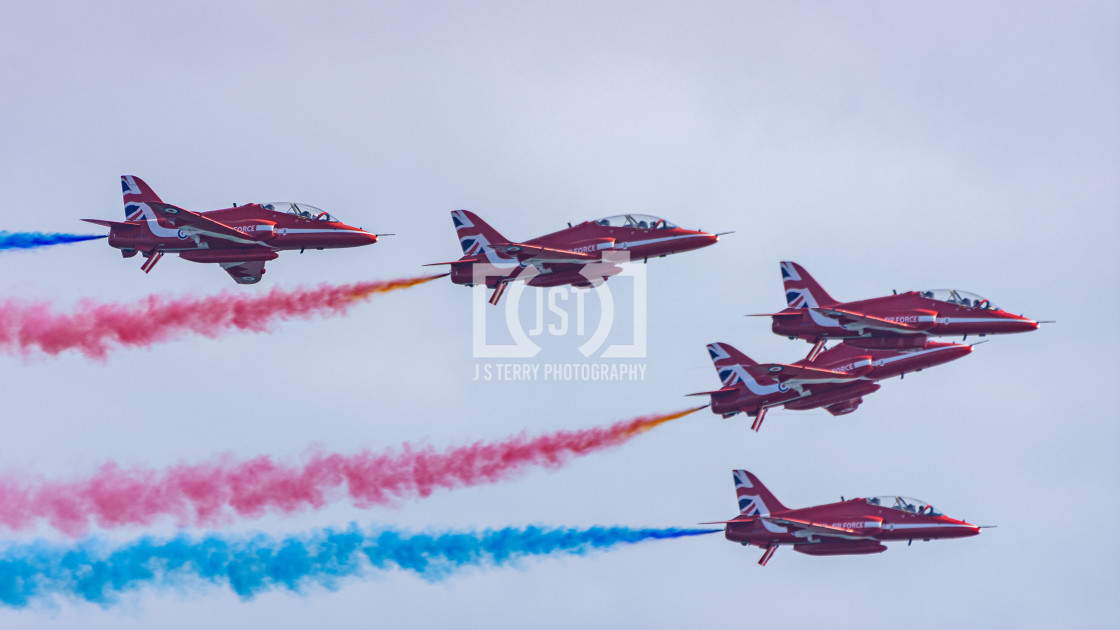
<point>955,528</point>
<point>970,529</point>
<point>704,239</point>
<point>945,353</point>
<point>357,238</point>
<point>1015,323</point>
<point>953,351</point>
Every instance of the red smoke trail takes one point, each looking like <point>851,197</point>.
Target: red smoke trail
<point>94,328</point>
<point>206,494</point>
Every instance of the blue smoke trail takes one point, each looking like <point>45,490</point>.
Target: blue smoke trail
<point>93,572</point>
<point>31,240</point>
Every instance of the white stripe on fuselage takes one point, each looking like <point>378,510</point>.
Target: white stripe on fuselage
<point>482,246</point>
<point>160,231</point>
<point>973,320</point>
<point>153,223</point>
<point>628,244</point>
<point>317,231</point>
<point>821,319</point>
<point>909,355</point>
<point>893,526</point>
<point>751,384</point>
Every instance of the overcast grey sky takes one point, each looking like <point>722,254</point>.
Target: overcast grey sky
<point>882,145</point>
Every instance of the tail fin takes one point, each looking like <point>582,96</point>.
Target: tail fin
<point>802,291</point>
<point>475,236</point>
<point>754,498</point>
<point>726,358</point>
<point>137,192</point>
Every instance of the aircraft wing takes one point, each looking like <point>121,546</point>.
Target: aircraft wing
<point>809,526</point>
<point>195,223</point>
<point>785,373</point>
<point>864,320</point>
<point>534,254</point>
<point>245,272</point>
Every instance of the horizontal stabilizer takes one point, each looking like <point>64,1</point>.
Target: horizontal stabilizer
<point>716,391</point>
<point>112,224</point>
<point>734,520</point>
<point>782,314</point>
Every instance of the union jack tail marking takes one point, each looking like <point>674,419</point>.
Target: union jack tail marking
<point>137,194</point>
<point>802,291</point>
<point>754,498</point>
<point>476,237</point>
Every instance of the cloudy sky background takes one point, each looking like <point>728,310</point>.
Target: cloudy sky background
<point>882,146</point>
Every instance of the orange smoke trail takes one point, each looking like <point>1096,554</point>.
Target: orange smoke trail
<point>367,289</point>
<point>95,328</point>
<point>641,425</point>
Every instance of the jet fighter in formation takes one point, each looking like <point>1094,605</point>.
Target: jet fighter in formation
<point>855,526</point>
<point>583,255</point>
<point>241,239</point>
<point>837,379</point>
<point>880,338</point>
<point>904,318</point>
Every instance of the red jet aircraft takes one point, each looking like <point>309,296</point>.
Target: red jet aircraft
<point>855,526</point>
<point>900,320</point>
<point>240,239</point>
<point>583,255</point>
<point>837,379</point>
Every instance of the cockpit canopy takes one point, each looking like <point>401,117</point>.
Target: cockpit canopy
<point>904,504</point>
<point>637,221</point>
<point>961,298</point>
<point>300,210</point>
